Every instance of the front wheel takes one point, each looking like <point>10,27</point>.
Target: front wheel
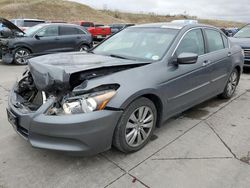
<point>21,55</point>
<point>136,126</point>
<point>231,85</point>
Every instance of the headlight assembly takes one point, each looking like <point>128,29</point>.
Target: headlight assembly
<point>87,103</point>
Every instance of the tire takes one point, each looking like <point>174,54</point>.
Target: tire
<point>232,83</point>
<point>20,56</point>
<point>83,48</point>
<point>131,133</point>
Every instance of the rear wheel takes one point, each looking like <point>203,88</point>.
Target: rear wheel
<point>231,85</point>
<point>83,47</point>
<point>21,55</point>
<point>136,126</point>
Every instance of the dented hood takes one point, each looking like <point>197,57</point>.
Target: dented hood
<point>52,72</point>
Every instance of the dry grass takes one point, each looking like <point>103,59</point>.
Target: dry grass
<point>149,18</point>
<point>70,11</point>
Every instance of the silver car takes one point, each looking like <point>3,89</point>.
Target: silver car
<point>117,93</point>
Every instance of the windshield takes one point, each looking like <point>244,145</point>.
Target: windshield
<point>243,33</point>
<point>32,30</point>
<point>138,43</point>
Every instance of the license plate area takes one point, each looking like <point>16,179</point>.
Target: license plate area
<point>12,118</point>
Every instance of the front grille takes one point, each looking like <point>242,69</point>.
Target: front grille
<point>247,52</point>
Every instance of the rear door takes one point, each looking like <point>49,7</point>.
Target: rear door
<point>219,58</point>
<point>70,38</point>
<point>46,40</point>
<point>192,82</point>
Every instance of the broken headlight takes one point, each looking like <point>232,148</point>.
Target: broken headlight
<point>87,103</point>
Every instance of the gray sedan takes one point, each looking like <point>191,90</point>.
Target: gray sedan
<point>117,93</point>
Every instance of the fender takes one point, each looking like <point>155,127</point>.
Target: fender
<point>21,44</point>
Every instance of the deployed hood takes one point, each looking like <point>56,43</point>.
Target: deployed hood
<point>10,25</point>
<point>53,72</point>
<point>243,42</point>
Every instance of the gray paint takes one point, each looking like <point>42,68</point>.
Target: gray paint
<point>178,87</point>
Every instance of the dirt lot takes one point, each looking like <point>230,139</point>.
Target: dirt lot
<point>207,146</point>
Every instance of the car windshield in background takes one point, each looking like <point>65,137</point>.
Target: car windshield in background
<point>138,43</point>
<point>32,30</point>
<point>29,23</point>
<point>243,33</point>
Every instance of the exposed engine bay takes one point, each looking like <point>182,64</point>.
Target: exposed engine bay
<point>76,99</point>
<point>67,79</point>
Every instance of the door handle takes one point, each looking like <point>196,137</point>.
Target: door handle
<point>206,62</point>
<point>229,54</point>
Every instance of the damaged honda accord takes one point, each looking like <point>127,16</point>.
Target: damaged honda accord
<point>118,92</point>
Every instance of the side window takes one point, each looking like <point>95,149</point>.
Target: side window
<point>68,31</point>
<point>225,40</point>
<point>48,31</point>
<point>79,31</point>
<point>214,40</point>
<point>192,43</point>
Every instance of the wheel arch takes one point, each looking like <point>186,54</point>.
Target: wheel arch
<point>238,68</point>
<point>23,46</point>
<point>154,97</point>
<point>84,43</point>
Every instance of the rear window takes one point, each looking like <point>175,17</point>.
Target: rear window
<point>29,23</point>
<point>214,40</point>
<point>70,31</point>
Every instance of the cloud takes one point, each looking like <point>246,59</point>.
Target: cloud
<point>235,10</point>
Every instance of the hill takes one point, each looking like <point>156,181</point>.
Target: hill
<point>71,11</point>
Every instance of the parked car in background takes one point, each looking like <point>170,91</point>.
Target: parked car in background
<point>242,38</point>
<point>55,21</point>
<point>99,25</point>
<point>119,26</point>
<point>98,32</point>
<point>229,31</point>
<point>185,21</point>
<point>24,24</point>
<point>43,39</point>
<point>122,89</point>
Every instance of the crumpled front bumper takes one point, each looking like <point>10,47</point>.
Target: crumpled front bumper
<point>80,134</point>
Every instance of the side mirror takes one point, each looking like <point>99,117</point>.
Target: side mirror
<point>37,37</point>
<point>187,58</point>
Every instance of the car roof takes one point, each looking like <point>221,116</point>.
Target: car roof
<point>171,25</point>
<point>59,24</point>
<point>28,19</point>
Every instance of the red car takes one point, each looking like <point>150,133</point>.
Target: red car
<point>98,32</point>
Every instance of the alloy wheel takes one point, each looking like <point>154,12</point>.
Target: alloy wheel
<point>83,48</point>
<point>139,126</point>
<point>232,83</point>
<point>21,56</point>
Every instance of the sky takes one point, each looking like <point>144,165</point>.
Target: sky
<point>235,10</point>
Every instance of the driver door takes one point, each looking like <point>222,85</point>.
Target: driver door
<point>46,40</point>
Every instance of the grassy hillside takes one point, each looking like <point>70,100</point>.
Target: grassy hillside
<point>71,11</point>
<point>52,10</point>
<point>147,18</point>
